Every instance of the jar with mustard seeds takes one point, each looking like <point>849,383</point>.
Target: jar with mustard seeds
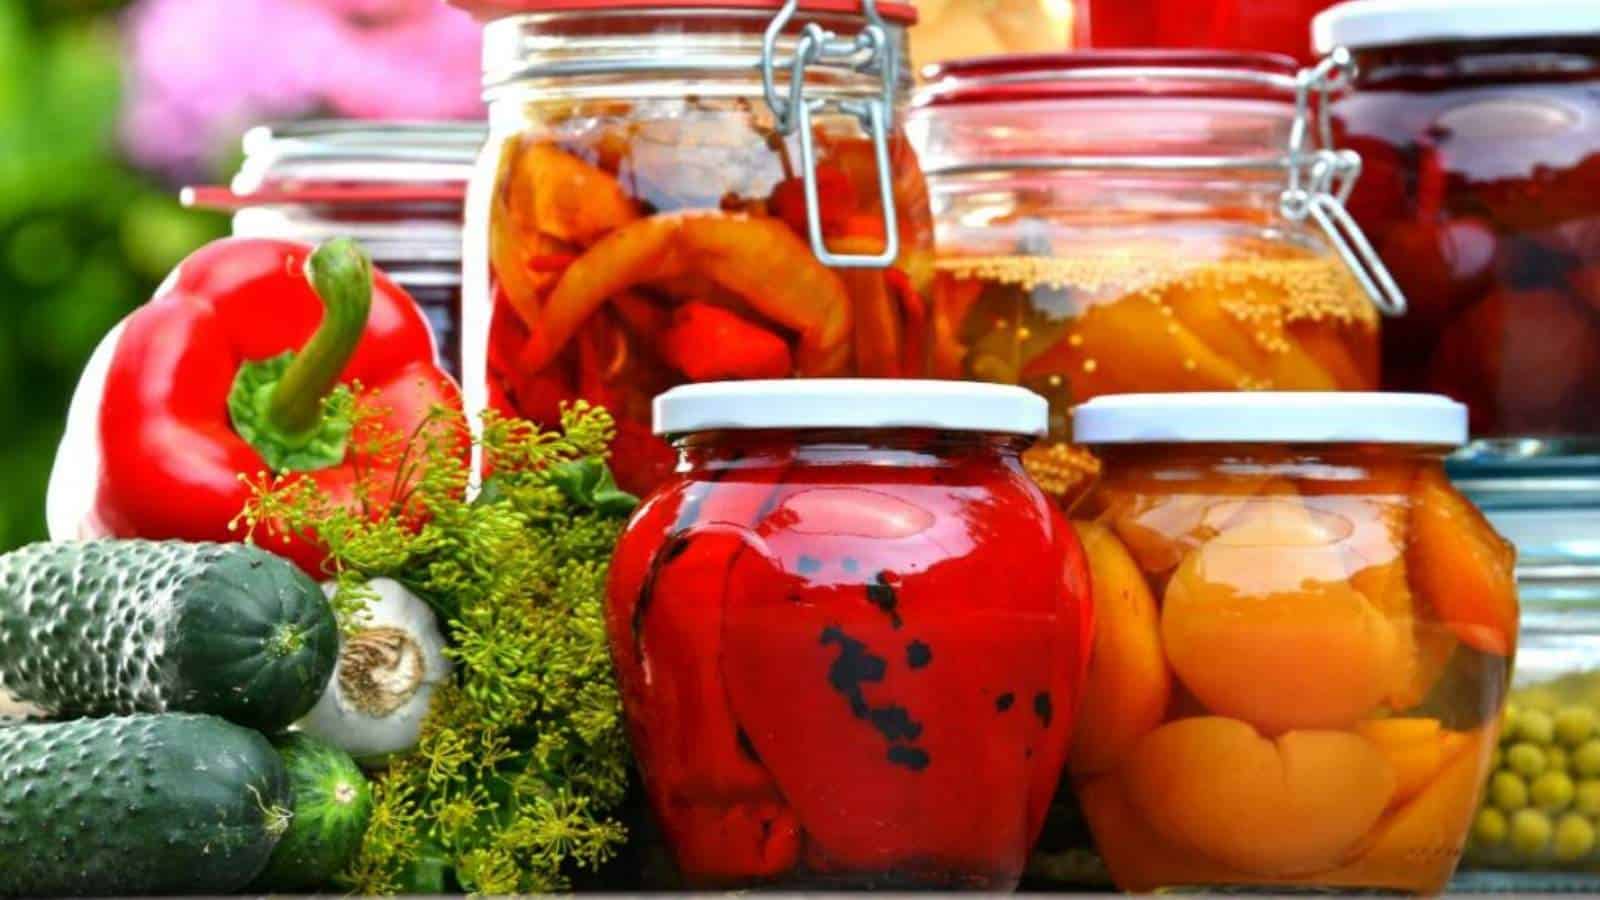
<point>1113,222</point>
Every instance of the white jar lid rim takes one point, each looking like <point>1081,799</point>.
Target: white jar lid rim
<point>1381,23</point>
<point>850,403</point>
<point>1312,417</point>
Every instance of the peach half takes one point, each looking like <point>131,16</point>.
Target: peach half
<point>1261,624</point>
<point>1293,805</point>
<point>1460,567</point>
<point>1128,684</point>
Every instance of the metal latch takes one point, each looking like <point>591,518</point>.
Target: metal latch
<point>871,51</point>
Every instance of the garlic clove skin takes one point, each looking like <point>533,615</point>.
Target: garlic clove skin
<point>388,668</point>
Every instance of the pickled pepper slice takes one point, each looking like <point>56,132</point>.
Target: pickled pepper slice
<point>566,198</point>
<point>878,341</point>
<point>860,681</point>
<point>761,260</point>
<point>709,343</point>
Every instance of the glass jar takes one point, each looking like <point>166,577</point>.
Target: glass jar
<point>1140,221</point>
<point>1299,683</point>
<point>850,634</point>
<point>1536,827</point>
<point>1479,123</point>
<point>650,211</point>
<point>1273,26</point>
<point>398,188</point>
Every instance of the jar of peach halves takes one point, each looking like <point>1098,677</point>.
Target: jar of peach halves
<point>1304,639</point>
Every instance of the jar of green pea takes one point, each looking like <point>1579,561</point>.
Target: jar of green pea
<point>1541,806</point>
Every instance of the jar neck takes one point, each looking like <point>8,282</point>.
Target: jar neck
<point>651,54</point>
<point>908,448</point>
<point>1533,60</point>
<point>1181,462</point>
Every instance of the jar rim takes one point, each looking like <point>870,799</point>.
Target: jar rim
<point>1362,24</point>
<point>349,163</point>
<point>1288,417</point>
<point>1100,74</point>
<point>850,403</point>
<point>901,13</point>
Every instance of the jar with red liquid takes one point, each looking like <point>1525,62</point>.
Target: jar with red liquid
<point>1133,221</point>
<point>1479,126</point>
<point>1273,26</point>
<point>851,634</point>
<point>681,192</point>
<point>397,187</point>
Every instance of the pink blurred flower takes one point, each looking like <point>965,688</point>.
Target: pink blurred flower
<point>200,71</point>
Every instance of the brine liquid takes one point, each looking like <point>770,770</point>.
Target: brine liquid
<point>634,249</point>
<point>1258,316</point>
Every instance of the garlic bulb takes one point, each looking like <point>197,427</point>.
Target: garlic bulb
<point>388,669</point>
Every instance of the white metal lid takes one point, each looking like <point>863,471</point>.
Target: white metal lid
<point>1310,417</point>
<point>851,403</point>
<point>1381,23</point>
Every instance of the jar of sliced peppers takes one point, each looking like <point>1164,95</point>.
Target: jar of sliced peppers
<point>851,634</point>
<point>680,192</point>
<point>1143,221</point>
<point>398,188</point>
<point>1300,682</point>
<point>1479,123</point>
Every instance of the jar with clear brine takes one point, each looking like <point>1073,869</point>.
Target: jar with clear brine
<point>1140,221</point>
<point>1304,638</point>
<point>668,197</point>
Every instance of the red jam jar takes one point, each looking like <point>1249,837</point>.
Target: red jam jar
<point>851,634</point>
<point>1479,126</point>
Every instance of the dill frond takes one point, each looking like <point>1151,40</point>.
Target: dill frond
<point>523,758</point>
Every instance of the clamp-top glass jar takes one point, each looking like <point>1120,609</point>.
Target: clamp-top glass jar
<point>679,192</point>
<point>1144,221</point>
<point>398,187</point>
<point>1480,124</point>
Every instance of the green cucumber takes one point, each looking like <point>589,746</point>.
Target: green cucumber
<point>332,806</point>
<point>165,804</point>
<point>99,628</point>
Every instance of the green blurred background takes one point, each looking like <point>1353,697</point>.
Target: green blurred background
<point>84,236</point>
<point>108,107</point>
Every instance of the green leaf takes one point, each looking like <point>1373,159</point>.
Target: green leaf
<point>589,482</point>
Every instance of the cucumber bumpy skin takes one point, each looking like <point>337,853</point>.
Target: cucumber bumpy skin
<point>167,804</point>
<point>99,628</point>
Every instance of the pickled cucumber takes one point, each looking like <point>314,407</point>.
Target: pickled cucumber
<point>1541,804</point>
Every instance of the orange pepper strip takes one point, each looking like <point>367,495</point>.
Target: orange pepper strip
<point>758,259</point>
<point>913,360</point>
<point>775,272</point>
<point>567,198</point>
<point>617,262</point>
<point>551,262</point>
<point>877,323</point>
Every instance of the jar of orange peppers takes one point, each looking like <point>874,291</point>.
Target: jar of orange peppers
<point>1121,221</point>
<point>678,192</point>
<point>1304,638</point>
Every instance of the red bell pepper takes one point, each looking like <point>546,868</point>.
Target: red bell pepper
<point>243,363</point>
